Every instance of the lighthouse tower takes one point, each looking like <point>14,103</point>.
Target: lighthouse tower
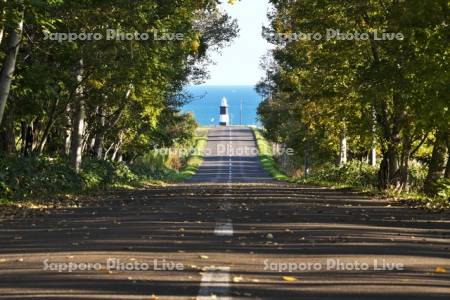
<point>224,116</point>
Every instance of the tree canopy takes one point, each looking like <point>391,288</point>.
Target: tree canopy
<point>374,74</point>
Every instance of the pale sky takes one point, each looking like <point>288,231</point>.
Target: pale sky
<point>239,64</point>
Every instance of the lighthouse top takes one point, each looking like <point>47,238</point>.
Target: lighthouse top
<point>224,102</point>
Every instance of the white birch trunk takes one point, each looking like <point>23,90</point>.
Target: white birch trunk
<point>343,151</point>
<point>9,66</point>
<point>78,123</point>
<point>373,157</point>
<point>3,17</point>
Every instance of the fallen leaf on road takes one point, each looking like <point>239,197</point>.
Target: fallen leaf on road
<point>289,278</point>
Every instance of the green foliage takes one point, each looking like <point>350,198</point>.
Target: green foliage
<point>101,174</point>
<point>355,174</point>
<point>417,175</point>
<point>31,177</point>
<point>383,94</point>
<point>153,165</point>
<point>196,158</point>
<point>132,90</point>
<point>266,156</point>
<point>443,189</point>
<point>362,176</point>
<point>36,177</point>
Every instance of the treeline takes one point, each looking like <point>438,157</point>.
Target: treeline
<point>341,98</point>
<point>111,99</point>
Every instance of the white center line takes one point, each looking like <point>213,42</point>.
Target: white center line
<point>215,284</point>
<point>216,280</point>
<point>224,228</point>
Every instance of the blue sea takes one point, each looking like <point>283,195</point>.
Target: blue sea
<point>206,101</point>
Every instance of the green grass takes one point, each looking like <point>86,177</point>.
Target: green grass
<point>45,178</point>
<point>5,202</point>
<point>356,177</point>
<point>195,161</point>
<point>266,156</point>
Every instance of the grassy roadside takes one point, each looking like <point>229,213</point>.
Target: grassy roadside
<point>266,156</point>
<point>354,176</point>
<point>35,184</point>
<point>196,159</point>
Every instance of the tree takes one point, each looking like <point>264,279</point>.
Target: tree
<point>334,86</point>
<point>9,63</point>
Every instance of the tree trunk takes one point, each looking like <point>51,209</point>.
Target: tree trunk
<point>48,127</point>
<point>114,155</point>
<point>306,162</point>
<point>98,144</point>
<point>388,169</point>
<point>117,148</point>
<point>404,166</point>
<point>373,157</point>
<point>2,18</point>
<point>447,168</point>
<point>9,65</point>
<point>105,157</point>
<point>391,125</point>
<point>28,140</point>
<point>78,124</point>
<point>437,164</point>
<point>23,136</point>
<point>68,131</point>
<point>343,151</point>
<point>7,135</point>
<point>373,151</point>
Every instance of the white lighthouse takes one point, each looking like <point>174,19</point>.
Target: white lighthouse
<point>224,116</point>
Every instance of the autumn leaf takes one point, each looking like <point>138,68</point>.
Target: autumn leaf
<point>289,278</point>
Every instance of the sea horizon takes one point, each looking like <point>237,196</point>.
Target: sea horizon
<point>207,98</point>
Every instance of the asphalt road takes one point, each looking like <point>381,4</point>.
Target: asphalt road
<point>231,156</point>
<point>201,240</point>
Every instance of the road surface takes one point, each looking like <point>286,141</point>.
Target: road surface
<point>212,239</point>
<point>231,156</point>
